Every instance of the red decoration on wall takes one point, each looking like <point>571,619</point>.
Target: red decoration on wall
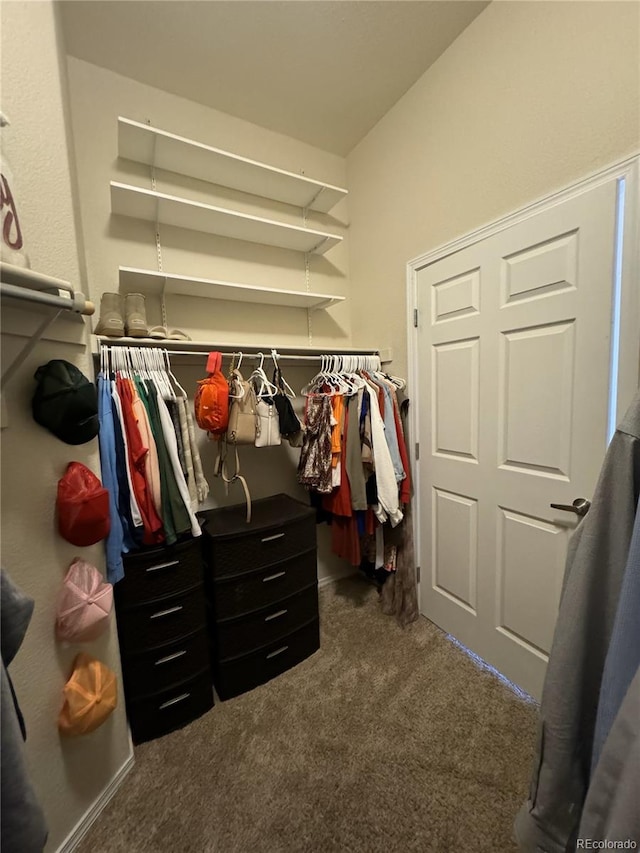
<point>11,231</point>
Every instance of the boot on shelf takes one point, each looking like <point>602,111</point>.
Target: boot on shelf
<point>135,315</point>
<point>110,322</point>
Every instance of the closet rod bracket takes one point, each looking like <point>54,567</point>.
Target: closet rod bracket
<point>9,371</point>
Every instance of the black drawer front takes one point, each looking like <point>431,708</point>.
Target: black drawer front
<point>163,571</point>
<point>263,548</point>
<point>161,621</point>
<point>235,596</point>
<point>245,634</point>
<point>233,677</point>
<point>164,712</point>
<point>160,668</point>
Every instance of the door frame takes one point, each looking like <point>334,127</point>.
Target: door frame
<point>626,304</point>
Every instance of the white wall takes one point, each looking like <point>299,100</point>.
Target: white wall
<point>69,775</point>
<point>531,97</point>
<point>98,96</point>
<point>113,241</point>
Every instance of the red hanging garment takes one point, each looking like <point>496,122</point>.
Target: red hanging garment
<point>137,457</point>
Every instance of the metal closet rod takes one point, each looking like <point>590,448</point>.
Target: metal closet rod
<point>76,301</point>
<point>256,354</point>
<point>287,357</point>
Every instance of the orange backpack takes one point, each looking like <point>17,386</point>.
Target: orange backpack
<point>211,402</point>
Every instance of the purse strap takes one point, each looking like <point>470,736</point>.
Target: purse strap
<point>214,362</point>
<point>221,470</point>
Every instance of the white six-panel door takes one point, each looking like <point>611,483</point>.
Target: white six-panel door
<point>513,367</point>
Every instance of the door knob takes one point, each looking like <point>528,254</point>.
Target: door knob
<point>580,506</point>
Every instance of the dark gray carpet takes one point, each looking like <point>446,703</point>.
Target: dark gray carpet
<point>385,740</point>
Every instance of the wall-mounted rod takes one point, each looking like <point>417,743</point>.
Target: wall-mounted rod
<point>28,278</point>
<point>28,285</point>
<point>61,303</point>
<point>256,354</point>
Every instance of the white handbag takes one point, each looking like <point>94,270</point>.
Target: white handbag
<point>269,433</point>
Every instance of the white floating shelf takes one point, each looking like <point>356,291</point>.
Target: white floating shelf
<point>168,209</point>
<point>152,282</point>
<point>146,144</point>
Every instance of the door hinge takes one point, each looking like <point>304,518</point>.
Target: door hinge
<point>417,451</point>
<point>418,574</point>
<point>415,317</point>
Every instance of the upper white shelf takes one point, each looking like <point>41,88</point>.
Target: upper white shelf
<point>150,281</point>
<point>146,144</point>
<point>172,210</point>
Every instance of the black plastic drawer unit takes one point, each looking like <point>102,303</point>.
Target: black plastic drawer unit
<point>164,641</point>
<point>262,588</point>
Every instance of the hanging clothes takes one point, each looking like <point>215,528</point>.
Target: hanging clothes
<point>366,439</point>
<point>405,485</point>
<point>153,530</point>
<point>388,505</point>
<point>114,544</point>
<point>23,828</point>
<point>611,812</point>
<point>146,434</point>
<point>136,515</point>
<point>314,468</point>
<point>337,426</point>
<point>149,453</point>
<point>353,455</point>
<point>202,486</point>
<point>132,535</point>
<point>623,657</point>
<point>172,407</point>
<point>174,512</point>
<point>596,561</point>
<point>190,475</point>
<point>387,408</point>
<point>399,596</point>
<point>171,441</point>
<point>369,461</point>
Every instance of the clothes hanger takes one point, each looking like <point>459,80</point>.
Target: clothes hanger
<point>171,374</point>
<point>347,374</point>
<point>337,376</point>
<point>284,385</point>
<point>122,358</point>
<point>307,389</point>
<point>236,388</point>
<point>262,386</point>
<point>155,375</point>
<point>162,371</point>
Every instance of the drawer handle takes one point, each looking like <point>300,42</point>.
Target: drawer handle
<point>271,538</point>
<point>273,577</point>
<point>275,615</point>
<point>162,566</point>
<point>277,652</point>
<point>174,701</point>
<point>171,657</point>
<point>166,612</point>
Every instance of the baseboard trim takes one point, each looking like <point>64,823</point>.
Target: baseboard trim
<point>93,812</point>
<point>331,579</point>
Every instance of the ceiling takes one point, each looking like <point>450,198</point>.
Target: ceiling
<point>322,71</point>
